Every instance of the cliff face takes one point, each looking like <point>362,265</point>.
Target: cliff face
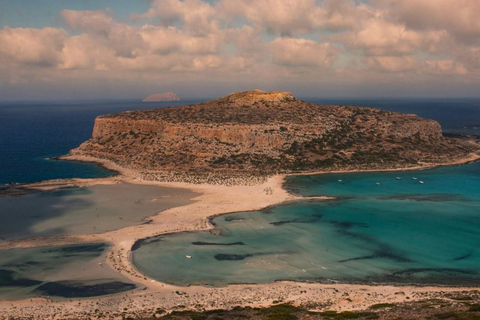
<point>261,133</point>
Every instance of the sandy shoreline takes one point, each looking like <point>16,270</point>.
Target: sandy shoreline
<point>213,200</point>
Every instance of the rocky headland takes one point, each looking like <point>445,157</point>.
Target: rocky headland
<point>257,134</point>
<point>162,97</point>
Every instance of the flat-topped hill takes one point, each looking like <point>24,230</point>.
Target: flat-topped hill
<point>257,133</point>
<point>160,97</point>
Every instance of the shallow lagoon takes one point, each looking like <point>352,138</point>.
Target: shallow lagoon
<point>75,270</point>
<point>397,231</point>
<point>61,271</point>
<point>96,209</point>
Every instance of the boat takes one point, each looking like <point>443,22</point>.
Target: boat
<point>414,178</point>
<point>398,178</point>
<point>378,183</point>
<point>339,180</point>
<point>188,257</point>
<point>422,182</point>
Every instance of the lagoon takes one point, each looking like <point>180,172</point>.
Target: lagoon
<point>86,210</point>
<point>381,230</point>
<point>59,271</point>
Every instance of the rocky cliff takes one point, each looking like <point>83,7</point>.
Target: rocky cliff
<point>258,133</point>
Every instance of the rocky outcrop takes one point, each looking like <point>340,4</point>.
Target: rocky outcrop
<point>261,133</point>
<point>159,97</point>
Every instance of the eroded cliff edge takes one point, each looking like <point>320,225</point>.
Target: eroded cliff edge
<point>257,133</point>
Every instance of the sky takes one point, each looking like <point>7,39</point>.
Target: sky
<point>125,49</point>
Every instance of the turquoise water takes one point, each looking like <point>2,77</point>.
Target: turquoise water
<point>457,181</point>
<point>396,231</point>
<point>60,271</point>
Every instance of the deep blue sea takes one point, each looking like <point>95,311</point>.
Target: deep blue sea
<point>32,132</point>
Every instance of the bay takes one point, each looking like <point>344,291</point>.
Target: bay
<point>381,230</point>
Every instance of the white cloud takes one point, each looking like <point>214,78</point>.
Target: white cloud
<point>39,47</point>
<point>378,37</point>
<point>194,16</point>
<point>248,40</point>
<point>444,67</point>
<point>459,18</point>
<point>292,17</point>
<point>99,22</point>
<point>163,41</point>
<point>394,63</point>
<point>470,58</point>
<point>295,52</point>
<point>281,17</point>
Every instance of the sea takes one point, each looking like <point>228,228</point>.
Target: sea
<point>32,133</point>
<point>420,227</point>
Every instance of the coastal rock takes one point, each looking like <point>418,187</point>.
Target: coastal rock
<point>159,97</point>
<point>257,133</point>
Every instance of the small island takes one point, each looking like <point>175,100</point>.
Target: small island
<point>162,97</point>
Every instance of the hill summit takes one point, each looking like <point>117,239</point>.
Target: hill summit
<point>254,96</point>
<point>257,133</point>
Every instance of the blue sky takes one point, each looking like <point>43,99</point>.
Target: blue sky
<point>46,13</point>
<point>332,48</point>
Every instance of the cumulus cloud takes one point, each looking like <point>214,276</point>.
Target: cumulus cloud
<point>444,67</point>
<point>99,22</point>
<point>293,17</point>
<point>83,52</point>
<point>284,17</point>
<point>393,35</point>
<point>459,18</point>
<point>302,52</point>
<point>251,39</point>
<point>164,41</point>
<point>470,58</point>
<point>40,47</point>
<point>195,16</point>
<point>394,63</point>
<point>379,37</point>
<point>101,27</point>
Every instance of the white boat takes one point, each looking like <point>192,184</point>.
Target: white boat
<point>398,178</point>
<point>188,257</point>
<point>422,182</point>
<point>339,180</point>
<point>378,183</point>
<point>414,178</point>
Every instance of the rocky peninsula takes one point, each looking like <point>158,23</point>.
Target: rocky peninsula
<point>255,134</point>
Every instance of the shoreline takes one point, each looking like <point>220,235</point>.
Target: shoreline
<point>97,163</point>
<point>473,157</point>
<point>212,201</point>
